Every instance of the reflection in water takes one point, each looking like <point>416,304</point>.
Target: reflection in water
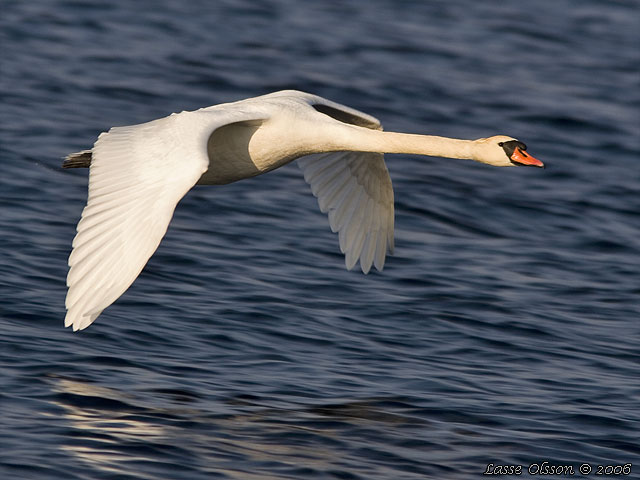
<point>100,431</point>
<point>118,433</point>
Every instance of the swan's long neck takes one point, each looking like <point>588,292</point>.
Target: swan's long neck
<point>242,150</point>
<point>366,140</point>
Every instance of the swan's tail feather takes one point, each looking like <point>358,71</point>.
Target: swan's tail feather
<point>77,160</point>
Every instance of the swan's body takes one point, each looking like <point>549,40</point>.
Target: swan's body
<point>139,173</point>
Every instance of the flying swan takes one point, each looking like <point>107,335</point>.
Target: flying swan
<point>139,173</point>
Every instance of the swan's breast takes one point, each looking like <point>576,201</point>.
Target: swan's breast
<point>249,148</point>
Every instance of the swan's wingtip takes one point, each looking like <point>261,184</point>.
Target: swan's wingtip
<point>79,322</point>
<point>72,321</point>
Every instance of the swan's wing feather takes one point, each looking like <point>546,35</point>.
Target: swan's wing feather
<point>138,174</point>
<point>354,188</point>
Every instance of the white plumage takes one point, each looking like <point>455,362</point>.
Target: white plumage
<point>354,188</point>
<point>139,173</point>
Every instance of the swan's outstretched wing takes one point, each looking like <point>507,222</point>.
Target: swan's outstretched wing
<point>137,176</point>
<point>139,173</point>
<point>354,188</point>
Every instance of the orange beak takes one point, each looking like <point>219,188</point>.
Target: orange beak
<point>520,157</point>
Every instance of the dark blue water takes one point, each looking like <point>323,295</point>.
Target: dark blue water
<point>504,330</point>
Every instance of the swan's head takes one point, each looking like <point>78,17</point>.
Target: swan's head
<point>503,151</point>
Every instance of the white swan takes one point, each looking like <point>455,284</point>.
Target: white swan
<point>139,173</point>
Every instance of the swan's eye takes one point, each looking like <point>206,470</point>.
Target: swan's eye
<point>500,144</point>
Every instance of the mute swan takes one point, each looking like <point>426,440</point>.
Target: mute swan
<point>139,173</point>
